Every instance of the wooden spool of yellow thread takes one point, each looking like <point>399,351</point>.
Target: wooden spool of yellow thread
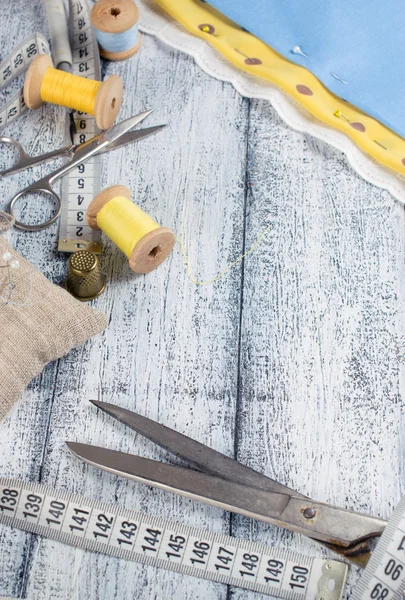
<point>43,83</point>
<point>143,241</point>
<point>116,25</point>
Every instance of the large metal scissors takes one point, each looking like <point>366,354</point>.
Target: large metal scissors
<point>222,481</point>
<point>117,136</point>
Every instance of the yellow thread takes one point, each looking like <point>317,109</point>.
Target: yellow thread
<point>228,268</point>
<point>69,90</point>
<point>124,223</point>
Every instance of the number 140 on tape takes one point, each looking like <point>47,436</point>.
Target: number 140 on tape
<point>110,529</point>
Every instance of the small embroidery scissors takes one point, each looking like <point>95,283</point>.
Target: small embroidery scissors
<point>223,482</point>
<point>115,137</point>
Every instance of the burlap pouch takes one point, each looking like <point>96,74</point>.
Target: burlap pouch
<point>39,322</point>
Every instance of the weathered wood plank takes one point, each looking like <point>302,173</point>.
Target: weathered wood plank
<point>321,347</point>
<point>169,350</point>
<point>23,435</point>
<point>322,344</point>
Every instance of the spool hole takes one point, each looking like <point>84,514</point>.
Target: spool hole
<point>115,11</point>
<point>154,253</point>
<point>113,102</point>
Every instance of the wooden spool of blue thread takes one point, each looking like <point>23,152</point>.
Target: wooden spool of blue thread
<point>116,26</point>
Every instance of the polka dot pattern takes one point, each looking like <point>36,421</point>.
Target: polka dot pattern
<point>242,48</point>
<point>358,126</point>
<point>304,89</point>
<point>253,61</point>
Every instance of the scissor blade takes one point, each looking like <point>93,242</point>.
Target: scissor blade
<point>185,482</point>
<point>25,161</point>
<point>329,524</point>
<point>200,456</point>
<point>133,136</point>
<point>116,131</point>
<point>127,138</point>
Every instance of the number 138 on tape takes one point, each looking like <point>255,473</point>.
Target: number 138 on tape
<point>123,533</point>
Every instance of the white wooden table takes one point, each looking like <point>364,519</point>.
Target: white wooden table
<point>293,363</point>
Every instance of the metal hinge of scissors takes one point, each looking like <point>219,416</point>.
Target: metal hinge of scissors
<point>115,137</point>
<point>223,482</point>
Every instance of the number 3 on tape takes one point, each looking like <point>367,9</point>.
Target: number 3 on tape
<point>81,185</point>
<point>384,576</point>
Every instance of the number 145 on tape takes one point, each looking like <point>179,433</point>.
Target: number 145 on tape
<point>110,529</point>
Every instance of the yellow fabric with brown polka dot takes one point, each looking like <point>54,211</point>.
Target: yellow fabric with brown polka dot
<point>250,54</point>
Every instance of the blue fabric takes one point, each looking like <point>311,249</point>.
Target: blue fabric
<point>360,41</point>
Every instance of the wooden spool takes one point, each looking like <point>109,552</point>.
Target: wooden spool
<point>108,99</point>
<point>151,250</point>
<point>115,17</point>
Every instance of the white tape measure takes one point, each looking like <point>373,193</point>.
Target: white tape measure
<point>113,530</point>
<point>384,576</point>
<point>14,65</point>
<point>81,185</point>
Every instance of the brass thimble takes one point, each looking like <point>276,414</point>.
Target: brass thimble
<point>85,281</point>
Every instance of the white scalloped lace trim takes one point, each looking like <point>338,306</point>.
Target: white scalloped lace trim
<point>155,22</point>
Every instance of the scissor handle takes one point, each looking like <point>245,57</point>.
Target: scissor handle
<point>42,186</point>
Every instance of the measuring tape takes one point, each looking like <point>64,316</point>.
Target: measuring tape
<point>83,183</point>
<point>130,535</point>
<point>384,576</point>
<point>14,65</point>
